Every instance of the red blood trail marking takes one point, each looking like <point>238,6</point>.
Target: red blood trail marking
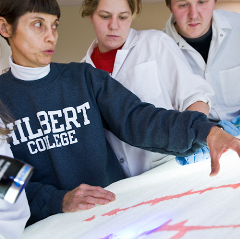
<point>166,198</point>
<point>90,219</point>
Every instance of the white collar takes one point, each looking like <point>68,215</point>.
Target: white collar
<point>28,73</point>
<point>220,21</point>
<point>171,31</point>
<point>131,41</point>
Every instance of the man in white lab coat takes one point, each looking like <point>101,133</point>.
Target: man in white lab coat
<point>210,40</point>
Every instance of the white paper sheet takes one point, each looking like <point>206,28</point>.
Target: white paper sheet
<point>170,202</point>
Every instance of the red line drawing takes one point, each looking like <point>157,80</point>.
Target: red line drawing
<point>90,219</point>
<point>158,200</point>
<point>180,227</point>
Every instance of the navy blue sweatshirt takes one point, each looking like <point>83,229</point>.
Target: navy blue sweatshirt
<point>59,123</point>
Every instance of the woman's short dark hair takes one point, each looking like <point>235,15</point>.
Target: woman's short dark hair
<point>12,10</point>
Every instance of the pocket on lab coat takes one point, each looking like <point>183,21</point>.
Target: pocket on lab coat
<point>143,80</point>
<point>163,160</point>
<point>230,82</point>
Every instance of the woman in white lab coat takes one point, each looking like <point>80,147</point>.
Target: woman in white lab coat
<point>149,63</point>
<point>13,217</point>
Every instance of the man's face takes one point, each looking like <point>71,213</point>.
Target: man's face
<point>193,17</point>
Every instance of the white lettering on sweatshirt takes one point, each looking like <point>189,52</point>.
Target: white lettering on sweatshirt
<point>60,134</point>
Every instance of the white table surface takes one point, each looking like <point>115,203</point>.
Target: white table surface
<point>169,202</point>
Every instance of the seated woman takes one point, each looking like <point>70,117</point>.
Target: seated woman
<point>13,217</point>
<point>149,63</point>
<point>60,112</point>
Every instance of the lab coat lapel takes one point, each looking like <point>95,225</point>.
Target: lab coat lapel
<point>87,58</point>
<point>171,31</point>
<point>218,25</point>
<point>123,53</point>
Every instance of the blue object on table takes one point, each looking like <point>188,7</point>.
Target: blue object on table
<point>200,155</point>
<point>236,121</point>
<point>230,127</point>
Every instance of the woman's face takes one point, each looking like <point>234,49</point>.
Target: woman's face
<point>111,20</point>
<point>34,41</point>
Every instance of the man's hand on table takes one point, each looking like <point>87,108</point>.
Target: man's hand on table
<point>85,197</point>
<point>218,142</point>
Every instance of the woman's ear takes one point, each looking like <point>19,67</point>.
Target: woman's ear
<point>5,28</point>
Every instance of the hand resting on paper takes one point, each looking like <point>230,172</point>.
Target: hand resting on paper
<point>218,142</point>
<point>85,197</point>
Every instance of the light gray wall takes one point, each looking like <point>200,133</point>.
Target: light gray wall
<point>76,34</point>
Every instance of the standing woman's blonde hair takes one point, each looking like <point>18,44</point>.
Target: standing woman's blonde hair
<point>89,6</point>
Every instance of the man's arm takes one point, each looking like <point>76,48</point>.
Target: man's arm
<point>183,86</point>
<point>200,107</point>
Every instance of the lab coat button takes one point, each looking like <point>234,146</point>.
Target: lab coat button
<point>221,35</point>
<point>121,160</point>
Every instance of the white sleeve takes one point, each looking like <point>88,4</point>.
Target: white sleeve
<point>13,217</point>
<point>184,87</point>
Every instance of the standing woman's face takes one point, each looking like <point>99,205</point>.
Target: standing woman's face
<point>34,41</point>
<point>112,21</point>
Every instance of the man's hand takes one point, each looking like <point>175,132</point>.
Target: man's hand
<point>85,197</point>
<point>218,142</point>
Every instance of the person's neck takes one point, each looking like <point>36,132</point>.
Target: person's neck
<point>28,73</point>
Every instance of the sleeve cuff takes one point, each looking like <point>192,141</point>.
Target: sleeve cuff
<point>56,199</point>
<point>187,103</point>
